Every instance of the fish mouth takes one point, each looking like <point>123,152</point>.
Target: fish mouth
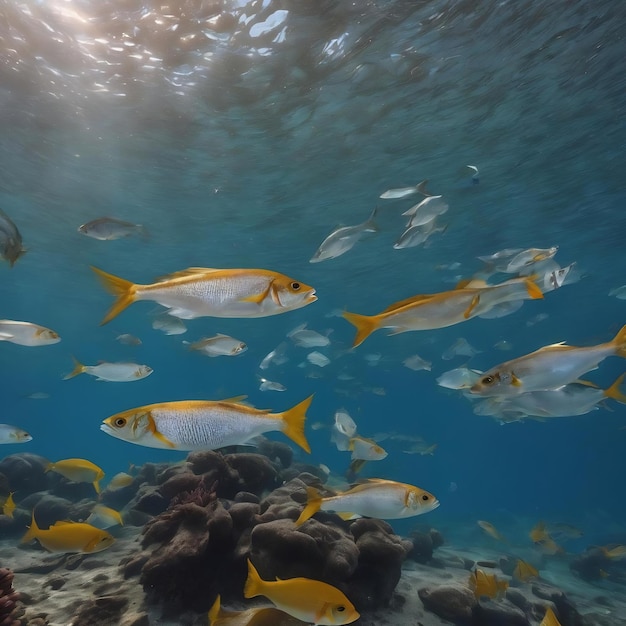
<point>107,429</point>
<point>311,297</point>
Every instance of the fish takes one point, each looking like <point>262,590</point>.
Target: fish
<point>491,530</point>
<point>218,345</point>
<point>405,192</point>
<point>13,434</point>
<point>416,235</point>
<point>343,239</point>
<point>119,481</point>
<point>11,248</point>
<point>64,537</point>
<point>110,228</point>
<point>311,601</point>
<point>549,619</point>
<point>417,363</point>
<point>104,517</point>
<point>549,367</point>
<point>461,347</point>
<point>317,358</point>
<point>204,424</point>
<point>541,538</point>
<point>111,372</point>
<point>8,507</point>
<point>524,571</point>
<point>306,338</point>
<point>169,324</point>
<point>616,552</point>
<point>78,471</point>
<point>128,340</point>
<point>365,449</point>
<point>483,584</point>
<point>27,333</point>
<point>270,385</point>
<point>275,356</point>
<point>206,292</point>
<point>525,258</point>
<point>473,170</point>
<point>618,292</point>
<point>458,378</point>
<point>439,310</point>
<point>422,448</point>
<point>426,211</point>
<point>262,616</point>
<point>383,499</point>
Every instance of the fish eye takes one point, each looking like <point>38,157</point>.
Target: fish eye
<point>341,608</point>
<point>120,422</point>
<point>487,380</point>
<point>295,286</point>
<point>425,498</point>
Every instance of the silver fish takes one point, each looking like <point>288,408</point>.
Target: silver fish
<point>13,434</point>
<point>405,192</point>
<point>306,338</point>
<point>11,247</point>
<point>169,324</point>
<point>27,333</point>
<point>417,363</point>
<point>110,228</point>
<point>219,345</point>
<point>426,211</point>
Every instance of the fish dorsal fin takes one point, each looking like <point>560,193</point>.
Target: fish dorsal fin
<point>472,283</point>
<point>406,301</point>
<point>237,399</point>
<point>66,522</point>
<point>190,271</point>
<point>555,346</point>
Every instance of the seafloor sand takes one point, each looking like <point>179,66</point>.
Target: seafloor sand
<point>61,587</point>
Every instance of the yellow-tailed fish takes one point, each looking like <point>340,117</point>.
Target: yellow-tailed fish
<point>263,616</point>
<point>549,367</point>
<point>524,571</point>
<point>9,505</point>
<point>365,449</point>
<point>27,333</point>
<point>483,584</point>
<point>439,310</point>
<point>549,619</point>
<point>311,601</point>
<point>204,424</point>
<point>616,552</point>
<point>201,291</point>
<point>111,372</point>
<point>219,345</point>
<point>104,517</point>
<point>384,499</point>
<point>119,481</point>
<point>69,537</point>
<point>13,434</point>
<point>543,540</point>
<point>79,471</point>
<point>491,530</point>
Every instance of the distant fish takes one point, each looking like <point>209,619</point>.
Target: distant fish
<point>275,357</point>
<point>542,539</point>
<point>270,385</point>
<point>27,334</point>
<point>109,228</point>
<point>104,517</point>
<point>8,507</point>
<point>200,291</point>
<point>483,584</point>
<point>461,347</point>
<point>343,239</point>
<point>311,601</point>
<point>169,325</point>
<point>69,537</point>
<point>306,338</point>
<point>111,372</point>
<point>13,434</point>
<point>11,247</point>
<point>38,395</point>
<point>405,192</point>
<point>317,358</point>
<point>365,449</point>
<point>525,258</point>
<point>417,363</point>
<point>119,481</point>
<point>128,340</point>
<point>78,471</point>
<point>204,424</point>
<point>615,552</point>
<point>416,235</point>
<point>422,448</point>
<point>560,530</point>
<point>524,571</point>
<point>473,171</point>
<point>219,345</point>
<point>260,616</point>
<point>491,530</point>
<point>618,292</point>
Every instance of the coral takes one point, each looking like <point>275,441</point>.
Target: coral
<point>9,600</point>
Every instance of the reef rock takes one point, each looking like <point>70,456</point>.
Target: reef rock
<point>25,472</point>
<point>455,603</point>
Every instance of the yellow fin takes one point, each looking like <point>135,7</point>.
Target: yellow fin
<point>365,326</point>
<point>345,516</point>
<point>190,271</point>
<point>471,283</point>
<point>124,290</point>
<point>215,612</point>
<point>293,423</point>
<point>79,368</point>
<point>533,289</point>
<point>620,342</point>
<point>238,399</point>
<point>549,619</point>
<point>257,298</point>
<point>515,381</point>
<point>614,392</point>
<point>472,306</point>
<point>313,505</point>
<point>412,300</point>
<point>33,529</point>
<point>254,583</point>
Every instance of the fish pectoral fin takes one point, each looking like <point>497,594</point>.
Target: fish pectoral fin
<point>257,298</point>
<point>156,434</point>
<point>4,336</point>
<point>238,399</point>
<point>346,515</point>
<point>472,306</point>
<point>320,613</point>
<point>515,381</point>
<point>190,271</point>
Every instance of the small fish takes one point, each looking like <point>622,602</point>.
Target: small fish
<point>11,247</point>
<point>549,367</point>
<point>111,372</point>
<point>526,258</point>
<point>365,449</point>
<point>271,385</point>
<point>549,619</point>
<point>414,236</point>
<point>619,292</point>
<point>204,424</point>
<point>27,334</point>
<point>541,538</point>
<point>275,357</point>
<point>483,584</point>
<point>78,471</point>
<point>383,499</point>
<point>426,211</point>
<point>219,345</point>
<point>417,363</point>
<point>306,338</point>
<point>491,530</point>
<point>13,434</point>
<point>38,395</point>
<point>405,192</point>
<point>128,340</point>
<point>503,345</point>
<point>473,170</point>
<point>200,291</point>
<point>119,481</point>
<point>169,324</point>
<point>263,616</point>
<point>461,347</point>
<point>110,228</point>
<point>616,552</point>
<point>540,317</point>
<point>69,537</point>
<point>317,358</point>
<point>422,448</point>
<point>104,517</point>
<point>524,571</point>
<point>459,378</point>
<point>344,423</point>
<point>500,256</point>
<point>9,506</point>
<point>343,239</point>
<point>311,601</point>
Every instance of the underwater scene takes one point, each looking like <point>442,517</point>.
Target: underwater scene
<point>313,312</point>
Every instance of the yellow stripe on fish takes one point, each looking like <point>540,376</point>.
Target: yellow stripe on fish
<point>201,291</point>
<point>204,424</point>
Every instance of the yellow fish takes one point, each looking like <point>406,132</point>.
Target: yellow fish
<point>426,312</point>
<point>617,552</point>
<point>311,601</point>
<point>543,540</point>
<point>119,481</point>
<point>384,499</point>
<point>104,517</point>
<point>79,471</point>
<point>69,537</point>
<point>549,619</point>
<point>483,584</point>
<point>524,571</point>
<point>204,424</point>
<point>265,616</point>
<point>9,505</point>
<point>202,291</point>
<point>490,529</point>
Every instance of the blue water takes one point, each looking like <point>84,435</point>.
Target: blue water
<point>247,152</point>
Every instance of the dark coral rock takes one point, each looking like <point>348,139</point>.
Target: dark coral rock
<point>422,547</point>
<point>563,607</point>
<point>516,597</point>
<point>498,613</point>
<point>288,500</point>
<point>149,500</point>
<point>436,537</point>
<point>26,472</point>
<point>256,472</point>
<point>276,451</point>
<point>48,508</point>
<point>451,602</point>
<point>301,470</point>
<point>244,515</point>
<point>590,565</point>
<point>246,496</point>
<point>178,483</point>
<point>105,611</point>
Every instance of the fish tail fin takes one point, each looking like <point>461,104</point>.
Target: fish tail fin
<point>533,289</point>
<point>79,368</point>
<point>254,583</point>
<point>33,529</point>
<point>215,612</point>
<point>293,423</point>
<point>313,505</point>
<point>614,390</point>
<point>370,224</point>
<point>96,485</point>
<point>124,290</point>
<point>365,326</point>
<point>620,342</point>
